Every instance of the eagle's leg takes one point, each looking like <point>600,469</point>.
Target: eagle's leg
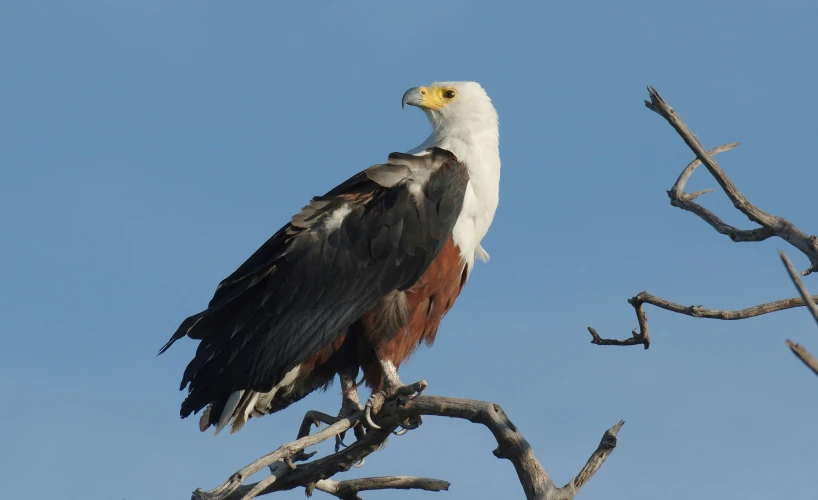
<point>392,387</point>
<point>350,404</point>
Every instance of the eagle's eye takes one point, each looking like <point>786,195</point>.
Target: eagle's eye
<point>449,94</point>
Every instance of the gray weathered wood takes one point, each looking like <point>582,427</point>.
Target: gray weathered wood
<point>799,285</point>
<point>797,349</point>
<point>771,225</point>
<point>642,335</point>
<point>511,445</point>
<point>349,489</point>
<point>804,355</point>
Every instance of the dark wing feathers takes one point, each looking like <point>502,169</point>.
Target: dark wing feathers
<point>318,274</point>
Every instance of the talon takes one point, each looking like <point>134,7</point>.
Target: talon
<point>359,463</point>
<point>377,400</point>
<point>409,424</point>
<point>419,388</point>
<point>413,423</point>
<point>368,416</point>
<point>383,444</point>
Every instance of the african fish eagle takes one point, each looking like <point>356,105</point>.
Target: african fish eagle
<point>357,279</point>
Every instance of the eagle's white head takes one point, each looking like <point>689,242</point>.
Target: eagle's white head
<point>454,105</point>
<point>465,122</point>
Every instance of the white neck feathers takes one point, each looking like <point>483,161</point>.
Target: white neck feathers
<point>474,138</point>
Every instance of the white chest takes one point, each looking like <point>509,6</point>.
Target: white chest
<point>472,225</point>
<point>481,156</point>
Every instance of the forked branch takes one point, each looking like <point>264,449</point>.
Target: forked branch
<point>511,445</point>
<point>641,336</point>
<point>770,225</point>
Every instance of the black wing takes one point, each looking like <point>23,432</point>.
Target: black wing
<point>318,274</point>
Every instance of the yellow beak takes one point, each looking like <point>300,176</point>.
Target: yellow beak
<point>424,97</point>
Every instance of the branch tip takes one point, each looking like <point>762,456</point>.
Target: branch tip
<point>799,285</point>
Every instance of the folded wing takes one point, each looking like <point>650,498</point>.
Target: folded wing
<point>335,260</point>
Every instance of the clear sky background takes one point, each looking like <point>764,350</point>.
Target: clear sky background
<point>147,148</point>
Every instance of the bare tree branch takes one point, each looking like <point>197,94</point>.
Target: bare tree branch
<point>771,225</point>
<point>679,198</point>
<point>235,481</point>
<point>642,335</point>
<point>536,482</point>
<point>797,349</point>
<point>602,451</point>
<point>805,296</point>
<point>348,490</point>
<point>804,355</point>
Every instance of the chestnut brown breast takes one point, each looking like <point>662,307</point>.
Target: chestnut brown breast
<point>428,301</point>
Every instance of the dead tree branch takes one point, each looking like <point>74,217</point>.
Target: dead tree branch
<point>511,445</point>
<point>804,355</point>
<point>642,335</point>
<point>797,349</point>
<point>348,490</point>
<point>805,296</point>
<point>771,225</point>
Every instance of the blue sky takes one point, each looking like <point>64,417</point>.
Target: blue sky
<point>147,148</point>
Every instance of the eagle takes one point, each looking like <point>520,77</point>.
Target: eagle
<point>357,279</point>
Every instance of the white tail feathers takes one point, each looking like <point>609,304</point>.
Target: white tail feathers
<point>227,413</point>
<point>241,404</point>
<point>243,412</point>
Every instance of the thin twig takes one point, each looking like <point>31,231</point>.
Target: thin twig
<point>679,198</point>
<point>642,335</point>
